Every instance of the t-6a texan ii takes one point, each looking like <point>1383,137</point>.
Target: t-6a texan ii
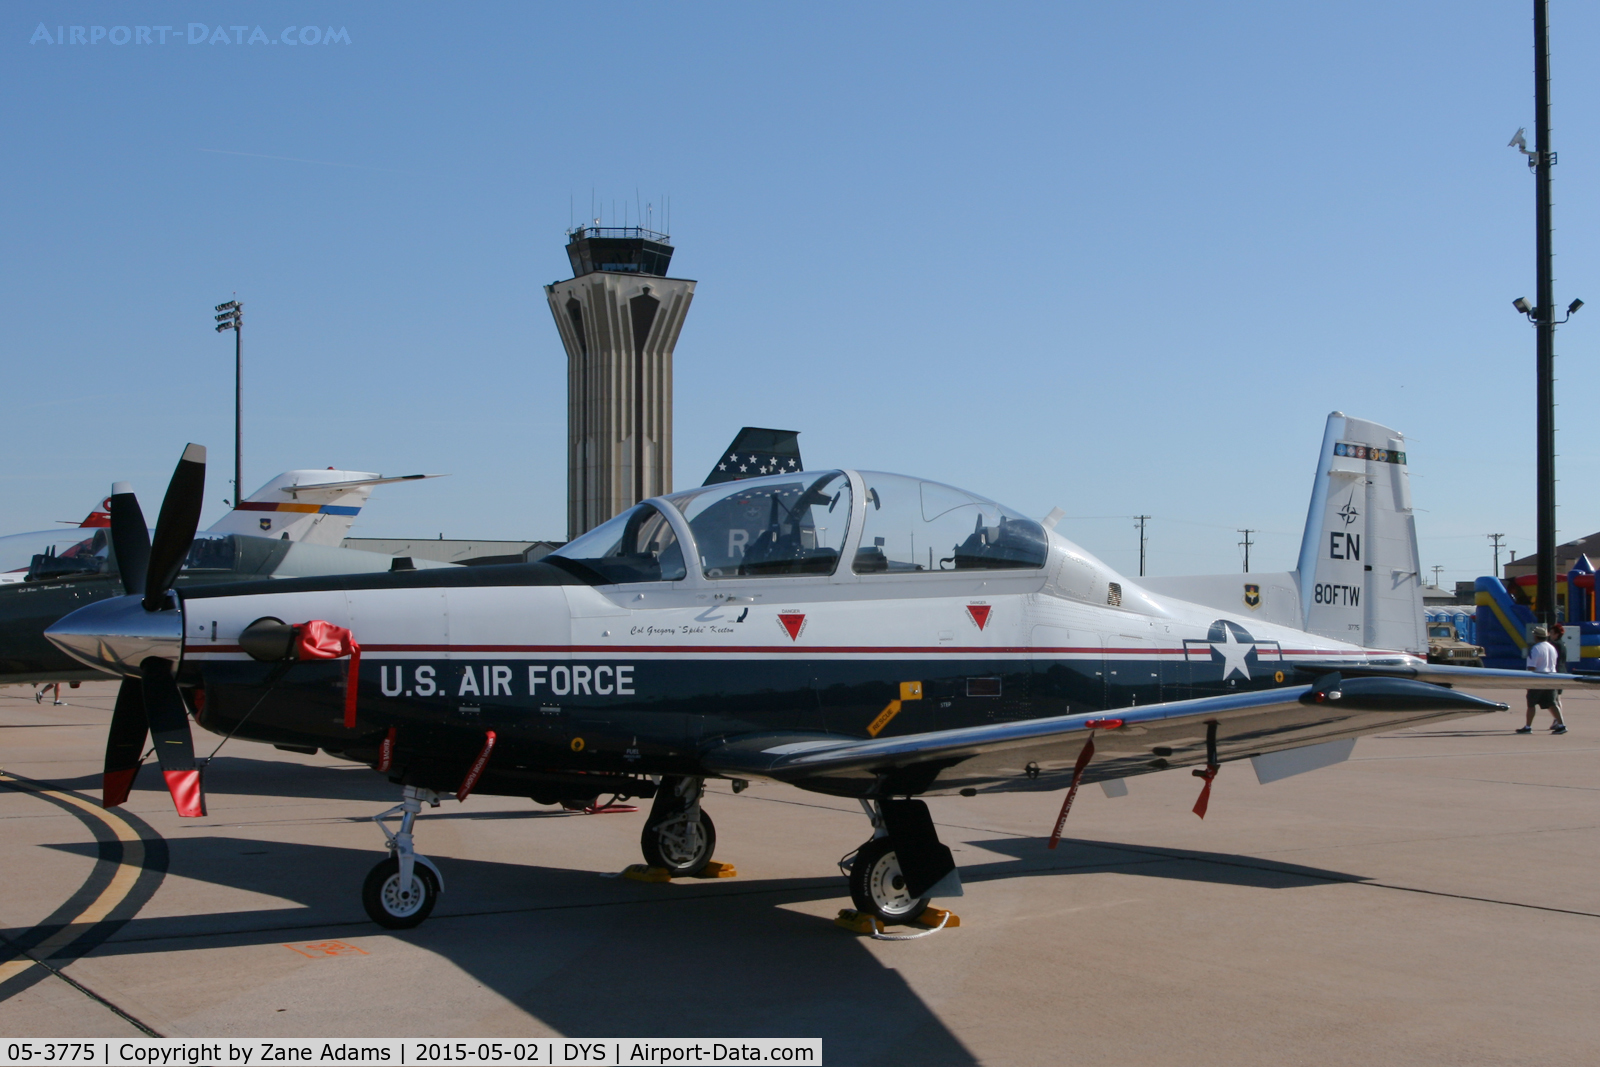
<point>855,633</point>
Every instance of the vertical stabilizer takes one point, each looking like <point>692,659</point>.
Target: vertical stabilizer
<point>757,451</point>
<point>1360,573</point>
<point>316,507</point>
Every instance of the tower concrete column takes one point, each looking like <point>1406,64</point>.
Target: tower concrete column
<point>619,317</point>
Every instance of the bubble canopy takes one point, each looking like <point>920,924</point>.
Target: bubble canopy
<point>797,524</point>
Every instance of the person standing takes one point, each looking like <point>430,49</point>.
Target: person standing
<point>1542,659</point>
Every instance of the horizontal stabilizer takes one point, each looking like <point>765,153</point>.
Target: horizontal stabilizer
<point>1466,677</point>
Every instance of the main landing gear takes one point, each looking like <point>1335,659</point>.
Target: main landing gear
<point>401,891</point>
<point>894,875</point>
<point>678,836</point>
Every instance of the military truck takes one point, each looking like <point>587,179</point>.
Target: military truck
<point>1445,646</point>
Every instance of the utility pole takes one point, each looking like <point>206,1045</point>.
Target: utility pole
<point>232,318</point>
<point>1495,538</point>
<point>1437,570</point>
<point>1142,520</point>
<point>1245,544</point>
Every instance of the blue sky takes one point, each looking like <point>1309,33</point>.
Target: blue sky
<point>1118,259</point>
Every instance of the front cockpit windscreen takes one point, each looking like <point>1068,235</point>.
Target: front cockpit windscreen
<point>915,526</point>
<point>636,546</point>
<point>763,527</point>
<point>51,555</point>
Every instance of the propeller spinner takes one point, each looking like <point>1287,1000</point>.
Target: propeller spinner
<point>140,637</point>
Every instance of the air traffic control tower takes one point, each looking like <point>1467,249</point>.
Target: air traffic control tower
<point>619,317</point>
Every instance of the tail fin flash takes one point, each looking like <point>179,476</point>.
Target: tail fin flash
<point>100,517</point>
<point>313,507</point>
<point>757,451</point>
<point>1360,572</point>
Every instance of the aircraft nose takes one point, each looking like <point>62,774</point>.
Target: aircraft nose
<point>117,635</point>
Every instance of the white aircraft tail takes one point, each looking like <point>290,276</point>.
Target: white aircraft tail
<point>313,507</point>
<point>1360,573</point>
<point>1359,578</point>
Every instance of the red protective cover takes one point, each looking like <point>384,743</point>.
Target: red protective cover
<point>115,786</point>
<point>1084,757</point>
<point>1204,802</point>
<point>186,792</point>
<point>477,767</point>
<point>323,640</point>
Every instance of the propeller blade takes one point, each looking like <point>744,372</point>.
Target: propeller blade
<point>175,526</point>
<point>125,744</point>
<point>169,726</point>
<point>130,539</point>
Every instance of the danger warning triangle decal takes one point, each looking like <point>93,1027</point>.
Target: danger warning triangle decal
<point>979,613</point>
<point>793,622</point>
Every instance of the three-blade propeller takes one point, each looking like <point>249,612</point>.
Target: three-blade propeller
<point>151,703</point>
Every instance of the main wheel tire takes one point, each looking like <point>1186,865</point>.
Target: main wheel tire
<point>877,887</point>
<point>679,845</point>
<point>399,908</point>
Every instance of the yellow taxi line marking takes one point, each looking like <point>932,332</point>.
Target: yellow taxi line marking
<point>122,882</point>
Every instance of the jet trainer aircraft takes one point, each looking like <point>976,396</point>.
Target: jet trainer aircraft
<point>855,633</point>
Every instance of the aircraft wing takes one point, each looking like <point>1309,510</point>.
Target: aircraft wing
<point>1471,677</point>
<point>1039,754</point>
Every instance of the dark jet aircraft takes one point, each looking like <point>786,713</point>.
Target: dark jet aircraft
<point>854,633</point>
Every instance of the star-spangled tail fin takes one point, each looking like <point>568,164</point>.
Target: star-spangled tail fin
<point>755,452</point>
<point>1360,574</point>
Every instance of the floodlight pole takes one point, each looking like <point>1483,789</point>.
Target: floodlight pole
<point>1546,323</point>
<point>232,318</point>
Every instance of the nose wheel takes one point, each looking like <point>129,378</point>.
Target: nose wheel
<point>397,906</point>
<point>878,888</point>
<point>679,837</point>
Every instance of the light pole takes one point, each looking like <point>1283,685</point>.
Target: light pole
<point>1543,315</point>
<point>231,317</point>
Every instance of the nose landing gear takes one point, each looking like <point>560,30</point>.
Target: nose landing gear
<point>401,891</point>
<point>679,837</point>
